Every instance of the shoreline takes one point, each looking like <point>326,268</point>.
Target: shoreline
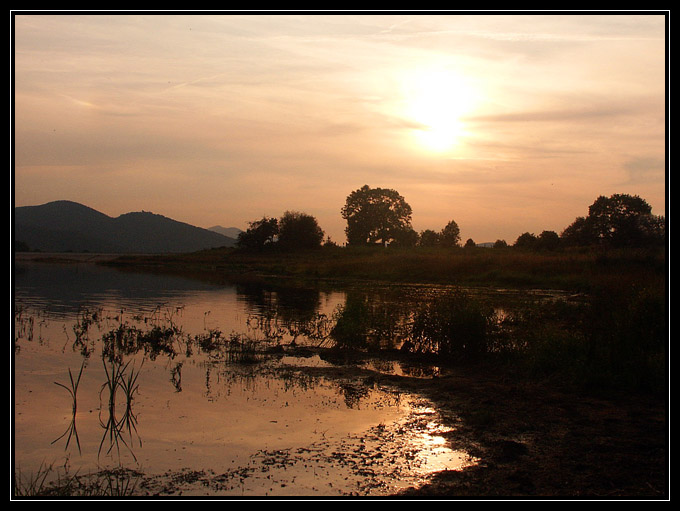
<point>65,257</point>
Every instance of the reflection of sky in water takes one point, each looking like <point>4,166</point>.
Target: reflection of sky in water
<point>265,428</point>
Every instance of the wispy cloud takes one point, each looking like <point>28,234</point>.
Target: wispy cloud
<point>244,113</point>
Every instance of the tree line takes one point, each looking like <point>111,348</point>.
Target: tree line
<point>381,216</point>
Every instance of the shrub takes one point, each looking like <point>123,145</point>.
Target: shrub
<point>628,335</point>
<point>453,326</point>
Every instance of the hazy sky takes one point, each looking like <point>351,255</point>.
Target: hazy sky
<point>503,123</point>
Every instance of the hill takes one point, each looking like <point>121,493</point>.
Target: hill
<point>66,226</point>
<point>230,232</point>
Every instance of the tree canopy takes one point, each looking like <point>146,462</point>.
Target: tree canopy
<point>450,235</point>
<point>259,233</point>
<point>299,231</point>
<point>429,238</point>
<point>618,221</point>
<point>376,215</point>
<point>293,231</point>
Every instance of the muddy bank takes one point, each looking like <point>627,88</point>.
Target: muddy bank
<point>533,440</point>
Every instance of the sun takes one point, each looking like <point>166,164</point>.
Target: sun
<point>436,102</point>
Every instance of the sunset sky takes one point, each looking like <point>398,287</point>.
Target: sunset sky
<point>504,123</point>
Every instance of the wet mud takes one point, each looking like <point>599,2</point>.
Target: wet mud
<point>527,440</point>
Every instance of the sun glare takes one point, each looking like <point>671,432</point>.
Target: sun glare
<point>437,100</point>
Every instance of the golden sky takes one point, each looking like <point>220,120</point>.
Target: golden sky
<point>504,123</point>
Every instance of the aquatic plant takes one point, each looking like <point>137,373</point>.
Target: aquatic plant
<point>242,349</point>
<point>267,325</point>
<point>34,485</point>
<point>23,327</point>
<point>120,482</point>
<point>453,326</point>
<point>81,329</point>
<point>128,340</point>
<point>71,431</point>
<point>118,379</point>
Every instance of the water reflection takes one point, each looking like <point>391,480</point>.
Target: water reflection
<point>222,379</point>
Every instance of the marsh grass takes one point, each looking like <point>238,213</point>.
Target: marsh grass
<point>615,337</point>
<point>118,380</point>
<point>53,483</point>
<point>618,337</point>
<point>454,326</point>
<point>81,329</point>
<point>128,339</point>
<point>33,484</point>
<point>71,431</point>
<point>243,350</point>
<point>23,325</point>
<point>573,269</point>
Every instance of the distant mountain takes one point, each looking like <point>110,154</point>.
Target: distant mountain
<point>230,232</point>
<point>65,226</point>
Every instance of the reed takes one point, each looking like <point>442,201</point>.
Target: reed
<point>118,378</point>
<point>71,431</point>
<point>119,482</point>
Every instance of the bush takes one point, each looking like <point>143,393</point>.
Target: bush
<point>299,231</point>
<point>453,326</point>
<point>628,335</point>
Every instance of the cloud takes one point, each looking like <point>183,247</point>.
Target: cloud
<point>255,114</point>
<point>561,115</point>
<point>640,168</point>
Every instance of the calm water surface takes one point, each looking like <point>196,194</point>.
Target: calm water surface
<point>196,419</point>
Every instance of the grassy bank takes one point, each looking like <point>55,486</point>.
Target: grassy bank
<point>618,336</point>
<point>567,270</point>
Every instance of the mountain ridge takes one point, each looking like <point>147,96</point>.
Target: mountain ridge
<point>67,226</point>
<point>229,232</point>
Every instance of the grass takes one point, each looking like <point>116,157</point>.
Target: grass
<point>118,379</point>
<point>577,270</point>
<point>618,337</point>
<point>71,431</point>
<point>48,482</point>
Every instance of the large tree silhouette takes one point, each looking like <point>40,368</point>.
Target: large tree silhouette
<point>376,215</point>
<point>259,234</point>
<point>617,221</point>
<point>450,235</point>
<point>299,231</point>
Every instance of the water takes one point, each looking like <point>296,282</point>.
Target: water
<point>200,409</point>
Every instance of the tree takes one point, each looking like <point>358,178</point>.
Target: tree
<point>618,221</point>
<point>652,228</point>
<point>526,240</point>
<point>405,238</point>
<point>299,231</point>
<point>500,244</point>
<point>429,238</point>
<point>259,233</point>
<point>548,240</point>
<point>450,235</point>
<point>579,234</point>
<point>375,215</point>
<point>470,243</point>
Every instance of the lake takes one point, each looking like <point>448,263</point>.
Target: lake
<point>195,388</point>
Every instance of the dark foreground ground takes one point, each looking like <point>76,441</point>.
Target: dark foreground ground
<point>534,440</point>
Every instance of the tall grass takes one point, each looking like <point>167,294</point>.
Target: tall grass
<point>49,482</point>
<point>615,337</point>
<point>118,379</point>
<point>71,431</point>
<point>628,335</point>
<point>454,326</point>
